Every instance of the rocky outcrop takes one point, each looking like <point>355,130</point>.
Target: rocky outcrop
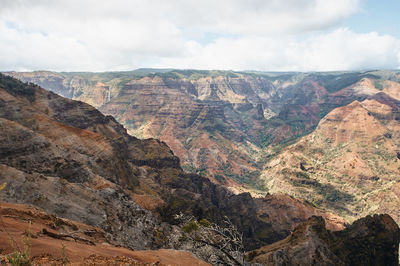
<point>283,213</point>
<point>372,240</point>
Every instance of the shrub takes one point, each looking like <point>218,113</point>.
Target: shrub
<point>205,223</point>
<point>22,257</point>
<point>190,227</point>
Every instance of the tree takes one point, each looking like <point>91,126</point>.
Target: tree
<point>225,240</point>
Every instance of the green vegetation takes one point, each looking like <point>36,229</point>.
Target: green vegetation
<point>220,178</point>
<point>16,87</point>
<point>298,129</point>
<point>213,125</point>
<point>194,74</point>
<point>276,148</point>
<point>386,74</point>
<point>129,123</point>
<point>281,76</point>
<point>378,84</point>
<point>151,72</point>
<point>250,178</point>
<point>137,73</point>
<point>190,227</point>
<point>266,140</point>
<point>21,257</point>
<point>188,168</point>
<point>176,204</point>
<point>205,223</point>
<point>334,82</point>
<point>324,109</point>
<point>329,194</point>
<point>63,255</point>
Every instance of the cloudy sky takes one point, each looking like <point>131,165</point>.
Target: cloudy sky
<point>275,35</point>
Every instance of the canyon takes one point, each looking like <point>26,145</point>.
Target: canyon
<point>221,124</point>
<point>319,148</point>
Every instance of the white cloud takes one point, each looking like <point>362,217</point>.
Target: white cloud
<point>340,49</point>
<point>83,35</point>
<point>98,35</point>
<point>344,49</point>
<point>223,16</point>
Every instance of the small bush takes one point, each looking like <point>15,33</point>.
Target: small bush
<point>18,259</point>
<point>191,226</point>
<point>205,223</point>
<point>64,255</point>
<point>22,258</point>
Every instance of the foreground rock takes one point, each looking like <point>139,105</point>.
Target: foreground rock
<point>373,240</point>
<point>83,244</point>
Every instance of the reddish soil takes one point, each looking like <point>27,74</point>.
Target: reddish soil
<point>84,245</point>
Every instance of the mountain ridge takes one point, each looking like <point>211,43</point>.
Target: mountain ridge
<point>255,110</point>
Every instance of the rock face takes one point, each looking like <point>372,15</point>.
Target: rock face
<point>312,244</point>
<point>67,87</point>
<point>283,213</point>
<point>205,121</point>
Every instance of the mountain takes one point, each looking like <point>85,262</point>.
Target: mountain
<point>73,162</point>
<point>350,163</point>
<point>221,124</point>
